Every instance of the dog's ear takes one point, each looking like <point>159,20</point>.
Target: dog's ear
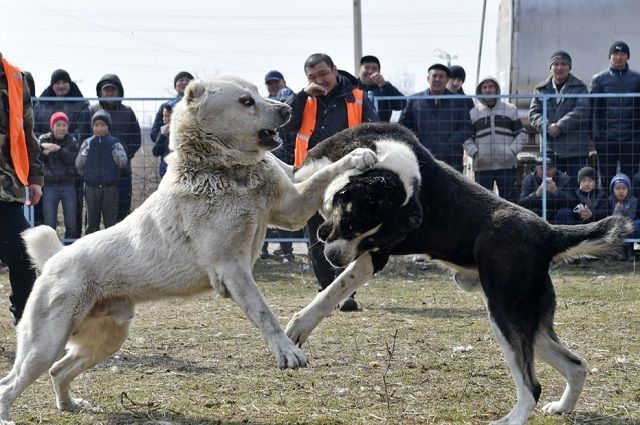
<point>194,92</point>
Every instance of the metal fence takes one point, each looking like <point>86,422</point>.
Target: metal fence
<point>599,130</point>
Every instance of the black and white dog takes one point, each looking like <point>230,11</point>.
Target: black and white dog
<point>411,203</point>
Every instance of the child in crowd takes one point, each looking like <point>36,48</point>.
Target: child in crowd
<point>622,202</point>
<point>100,160</point>
<point>161,145</point>
<point>591,200</point>
<point>59,151</point>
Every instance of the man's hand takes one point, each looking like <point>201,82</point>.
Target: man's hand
<point>378,79</point>
<point>585,213</point>
<point>554,130</point>
<point>35,193</point>
<point>315,90</point>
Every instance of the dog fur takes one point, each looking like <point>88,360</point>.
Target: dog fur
<point>414,204</point>
<point>202,229</point>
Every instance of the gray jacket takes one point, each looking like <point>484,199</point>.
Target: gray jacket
<point>571,114</point>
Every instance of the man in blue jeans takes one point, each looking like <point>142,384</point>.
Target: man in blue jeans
<point>19,169</point>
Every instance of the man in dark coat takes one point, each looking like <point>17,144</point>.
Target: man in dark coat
<point>374,84</point>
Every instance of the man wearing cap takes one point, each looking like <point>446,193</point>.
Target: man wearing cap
<point>616,120</point>
<point>442,125</point>
<point>124,126</point>
<point>20,171</point>
<point>373,84</point>
<point>458,77</point>
<point>62,94</point>
<point>558,189</point>
<point>567,117</point>
<point>330,103</point>
<point>278,90</point>
<point>277,86</point>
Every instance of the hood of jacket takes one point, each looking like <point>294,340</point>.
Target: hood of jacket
<point>113,79</point>
<point>616,178</point>
<point>482,80</point>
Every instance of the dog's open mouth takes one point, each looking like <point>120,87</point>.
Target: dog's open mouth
<point>269,139</point>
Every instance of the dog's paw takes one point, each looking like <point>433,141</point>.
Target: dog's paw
<point>362,158</point>
<point>297,331</point>
<point>74,405</point>
<point>288,356</point>
<point>556,407</point>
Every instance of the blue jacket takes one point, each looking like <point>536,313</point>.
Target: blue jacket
<point>100,160</point>
<point>442,126</point>
<point>616,118</point>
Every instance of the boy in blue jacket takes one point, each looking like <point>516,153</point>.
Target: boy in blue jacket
<point>622,202</point>
<point>100,160</point>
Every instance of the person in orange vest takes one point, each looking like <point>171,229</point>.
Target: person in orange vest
<point>331,102</point>
<point>19,169</point>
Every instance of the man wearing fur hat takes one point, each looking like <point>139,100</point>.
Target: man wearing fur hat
<point>616,121</point>
<point>124,126</point>
<point>498,135</point>
<point>567,117</point>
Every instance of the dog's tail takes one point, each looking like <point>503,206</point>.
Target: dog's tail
<point>590,240</point>
<point>42,243</point>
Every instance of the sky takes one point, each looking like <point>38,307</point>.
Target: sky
<point>147,42</point>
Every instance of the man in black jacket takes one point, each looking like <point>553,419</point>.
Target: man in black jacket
<point>374,85</point>
<point>616,120</point>
<point>336,100</point>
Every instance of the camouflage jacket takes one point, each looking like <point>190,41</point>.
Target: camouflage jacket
<point>11,190</point>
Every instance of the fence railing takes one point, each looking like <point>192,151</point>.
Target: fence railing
<point>599,130</point>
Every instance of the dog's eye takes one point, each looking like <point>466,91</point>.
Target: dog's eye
<point>247,101</point>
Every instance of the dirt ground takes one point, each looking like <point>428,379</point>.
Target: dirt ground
<point>419,352</point>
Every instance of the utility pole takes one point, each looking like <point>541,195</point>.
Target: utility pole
<point>357,35</point>
<point>484,10</point>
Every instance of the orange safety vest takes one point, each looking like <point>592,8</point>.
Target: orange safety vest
<point>17,140</point>
<point>354,118</point>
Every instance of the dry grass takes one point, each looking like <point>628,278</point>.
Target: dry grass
<point>399,361</point>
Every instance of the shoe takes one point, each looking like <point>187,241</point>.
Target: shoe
<point>349,304</point>
<point>264,254</point>
<point>288,258</point>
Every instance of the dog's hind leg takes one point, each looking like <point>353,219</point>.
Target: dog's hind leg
<point>41,337</point>
<point>574,369</point>
<point>95,339</point>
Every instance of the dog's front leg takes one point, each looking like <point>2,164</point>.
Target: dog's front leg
<point>243,289</point>
<point>355,275</point>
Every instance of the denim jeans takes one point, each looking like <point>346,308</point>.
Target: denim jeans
<point>54,194</point>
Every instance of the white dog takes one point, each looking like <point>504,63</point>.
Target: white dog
<point>202,228</point>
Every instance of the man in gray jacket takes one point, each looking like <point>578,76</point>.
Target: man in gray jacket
<point>567,117</point>
<point>498,136</point>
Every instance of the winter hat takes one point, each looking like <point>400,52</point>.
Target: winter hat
<point>182,74</point>
<point>619,46</point>
<point>60,74</point>
<point>560,55</point>
<point>370,58</point>
<point>458,72</point>
<point>101,115</point>
<point>440,67</point>
<point>620,178</point>
<point>58,116</point>
<point>586,172</point>
<point>551,158</point>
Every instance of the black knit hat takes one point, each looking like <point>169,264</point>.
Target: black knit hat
<point>586,172</point>
<point>370,58</point>
<point>182,74</point>
<point>60,74</point>
<point>458,72</point>
<point>441,67</point>
<point>101,115</point>
<point>560,55</point>
<point>619,46</point>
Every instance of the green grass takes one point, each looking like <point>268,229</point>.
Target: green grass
<point>199,360</point>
